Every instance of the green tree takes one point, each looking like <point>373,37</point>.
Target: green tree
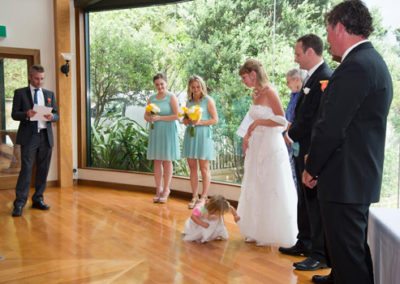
<point>212,38</point>
<point>15,75</point>
<point>225,33</point>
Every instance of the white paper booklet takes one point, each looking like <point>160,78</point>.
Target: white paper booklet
<point>41,111</point>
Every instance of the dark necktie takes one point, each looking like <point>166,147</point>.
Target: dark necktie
<point>306,79</point>
<point>35,97</point>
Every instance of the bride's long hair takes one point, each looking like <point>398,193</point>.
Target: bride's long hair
<point>252,64</point>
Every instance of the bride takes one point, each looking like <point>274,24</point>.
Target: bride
<point>268,199</point>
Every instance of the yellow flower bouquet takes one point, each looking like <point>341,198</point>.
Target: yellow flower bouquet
<point>152,109</point>
<point>193,114</point>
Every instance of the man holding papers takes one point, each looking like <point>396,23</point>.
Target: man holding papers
<point>35,108</point>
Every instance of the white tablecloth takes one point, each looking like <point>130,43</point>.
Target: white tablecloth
<point>384,241</point>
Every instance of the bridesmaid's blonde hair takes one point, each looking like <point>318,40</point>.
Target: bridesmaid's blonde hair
<point>202,85</point>
<point>256,66</point>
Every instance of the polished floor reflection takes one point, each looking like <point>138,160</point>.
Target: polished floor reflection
<point>97,235</point>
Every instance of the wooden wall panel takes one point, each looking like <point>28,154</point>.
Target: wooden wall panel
<point>62,34</point>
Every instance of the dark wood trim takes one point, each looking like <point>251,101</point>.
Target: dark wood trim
<point>32,55</point>
<point>138,188</point>
<point>9,182</point>
<point>238,186</point>
<point>80,86</point>
<point>112,185</point>
<point>104,5</point>
<point>53,183</point>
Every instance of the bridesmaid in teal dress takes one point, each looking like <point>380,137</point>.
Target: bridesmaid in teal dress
<point>163,145</point>
<point>198,147</point>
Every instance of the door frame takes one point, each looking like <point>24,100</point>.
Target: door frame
<point>9,181</point>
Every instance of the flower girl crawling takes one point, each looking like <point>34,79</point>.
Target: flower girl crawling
<point>207,220</point>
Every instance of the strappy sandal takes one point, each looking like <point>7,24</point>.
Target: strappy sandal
<point>193,202</point>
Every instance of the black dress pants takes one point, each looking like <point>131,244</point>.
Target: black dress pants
<point>39,151</point>
<point>346,227</point>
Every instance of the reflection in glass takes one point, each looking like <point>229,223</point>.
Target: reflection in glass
<point>128,46</point>
<point>13,75</point>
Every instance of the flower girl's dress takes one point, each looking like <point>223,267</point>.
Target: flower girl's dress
<point>195,232</point>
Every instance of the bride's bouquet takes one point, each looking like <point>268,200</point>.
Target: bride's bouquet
<point>193,114</point>
<point>152,109</point>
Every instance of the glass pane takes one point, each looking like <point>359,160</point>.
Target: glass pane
<point>15,76</point>
<point>127,47</point>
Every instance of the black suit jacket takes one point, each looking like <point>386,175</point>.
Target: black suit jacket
<point>348,140</point>
<point>23,102</point>
<point>307,108</point>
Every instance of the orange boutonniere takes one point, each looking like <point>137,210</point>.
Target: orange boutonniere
<point>48,101</point>
<point>324,84</point>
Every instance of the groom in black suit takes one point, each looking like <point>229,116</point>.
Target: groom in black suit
<point>348,143</point>
<point>308,54</point>
<point>35,138</point>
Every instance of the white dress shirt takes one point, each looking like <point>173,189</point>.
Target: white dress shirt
<point>40,98</point>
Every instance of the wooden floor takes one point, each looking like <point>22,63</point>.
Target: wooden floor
<point>96,235</point>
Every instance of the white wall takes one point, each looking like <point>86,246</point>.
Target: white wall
<point>30,24</point>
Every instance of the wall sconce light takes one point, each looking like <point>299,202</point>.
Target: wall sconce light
<point>65,68</point>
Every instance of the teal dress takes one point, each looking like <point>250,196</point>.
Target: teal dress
<point>201,145</point>
<point>163,137</point>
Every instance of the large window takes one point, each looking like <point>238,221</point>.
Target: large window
<point>210,39</point>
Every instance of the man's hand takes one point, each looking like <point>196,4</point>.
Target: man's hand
<point>30,113</point>
<point>287,139</point>
<point>309,180</point>
<point>49,117</point>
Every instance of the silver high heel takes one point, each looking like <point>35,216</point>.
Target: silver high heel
<point>156,198</point>
<point>193,202</point>
<point>164,198</point>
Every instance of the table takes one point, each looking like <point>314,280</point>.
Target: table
<point>384,241</point>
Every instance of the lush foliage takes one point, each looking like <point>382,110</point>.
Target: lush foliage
<point>120,143</point>
<point>15,75</point>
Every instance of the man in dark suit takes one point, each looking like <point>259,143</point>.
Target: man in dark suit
<point>35,138</point>
<point>348,142</point>
<point>308,54</point>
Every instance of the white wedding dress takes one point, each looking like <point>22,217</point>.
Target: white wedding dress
<point>268,199</point>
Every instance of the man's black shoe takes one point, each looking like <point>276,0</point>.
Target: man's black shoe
<point>17,211</point>
<point>297,250</point>
<point>40,205</point>
<point>309,264</point>
<point>322,279</point>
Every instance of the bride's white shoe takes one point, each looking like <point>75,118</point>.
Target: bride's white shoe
<point>249,240</point>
